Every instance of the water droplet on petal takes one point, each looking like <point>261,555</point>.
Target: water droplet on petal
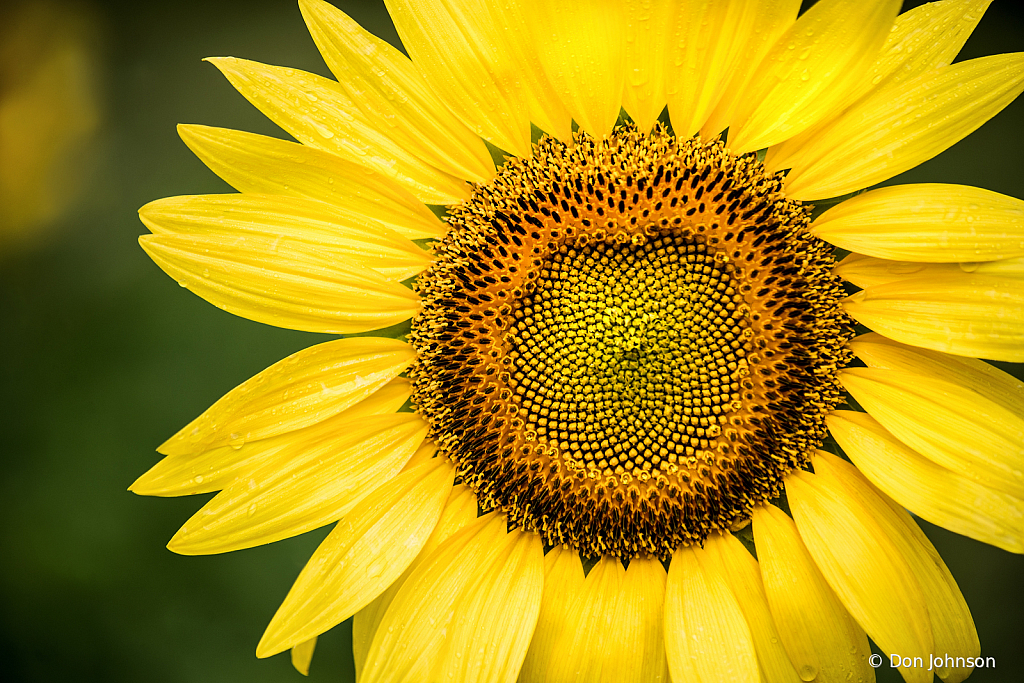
<point>323,131</point>
<point>808,672</point>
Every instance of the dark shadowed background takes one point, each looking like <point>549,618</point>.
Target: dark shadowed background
<point>104,356</point>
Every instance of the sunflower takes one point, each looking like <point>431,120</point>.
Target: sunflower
<point>625,420</point>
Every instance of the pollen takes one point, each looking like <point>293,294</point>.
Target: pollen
<point>626,344</point>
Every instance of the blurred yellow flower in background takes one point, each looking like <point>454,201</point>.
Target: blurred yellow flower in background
<point>49,109</point>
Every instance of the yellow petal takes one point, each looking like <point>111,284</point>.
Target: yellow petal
<point>303,389</point>
<point>302,655</point>
<point>186,473</point>
<point>459,512</point>
<point>648,33</point>
<point>290,285</point>
<point>866,271</point>
<point>467,613</point>
<point>642,617</point>
<point>289,219</point>
<point>489,639</point>
<point>772,18</point>
<point>725,555</point>
<point>927,222</point>
<point>425,453</point>
<point>977,375</point>
<point>386,87</point>
<point>707,40</point>
<point>587,637</point>
<point>317,479</point>
<point>582,47</point>
<point>868,569</point>
<point>367,551</point>
<point>951,623</point>
<point>261,165</point>
<point>896,128</point>
<point>974,315</point>
<point>922,39</point>
<point>545,107</point>
<point>954,426</point>
<point>607,626</point>
<point>930,491</point>
<point>462,53</point>
<point>706,634</point>
<point>823,641</point>
<point>318,113</point>
<point>811,68</point>
<point>591,636</point>
<point>1012,268</point>
<point>563,584</point>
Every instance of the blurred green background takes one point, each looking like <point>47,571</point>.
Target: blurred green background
<point>104,357</point>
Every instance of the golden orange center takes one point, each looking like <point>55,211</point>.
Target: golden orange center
<point>626,344</point>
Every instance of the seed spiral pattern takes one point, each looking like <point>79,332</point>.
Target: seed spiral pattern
<point>626,344</point>
<point>620,356</point>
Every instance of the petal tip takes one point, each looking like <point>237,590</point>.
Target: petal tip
<point>183,543</point>
<point>268,647</point>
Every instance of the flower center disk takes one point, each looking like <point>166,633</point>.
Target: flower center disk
<point>612,361</point>
<point>626,344</point>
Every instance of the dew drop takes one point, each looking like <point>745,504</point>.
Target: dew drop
<point>323,131</point>
<point>905,268</point>
<point>808,672</point>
